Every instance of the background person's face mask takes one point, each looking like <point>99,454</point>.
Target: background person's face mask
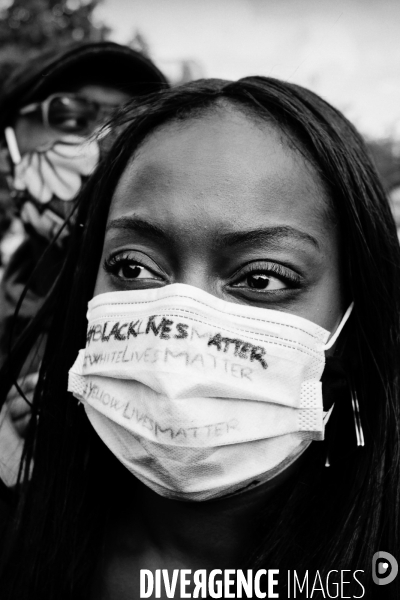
<point>47,179</point>
<point>56,169</point>
<point>196,396</point>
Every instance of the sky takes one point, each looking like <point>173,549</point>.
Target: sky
<point>348,51</point>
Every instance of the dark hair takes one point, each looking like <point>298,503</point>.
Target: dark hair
<point>327,518</point>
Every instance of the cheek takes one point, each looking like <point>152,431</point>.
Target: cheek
<point>327,300</point>
<point>102,286</point>
<point>331,302</point>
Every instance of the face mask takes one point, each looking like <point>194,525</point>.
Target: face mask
<point>47,179</point>
<point>198,397</point>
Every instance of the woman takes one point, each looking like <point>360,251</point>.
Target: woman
<point>245,217</point>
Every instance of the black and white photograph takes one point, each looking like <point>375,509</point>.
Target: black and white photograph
<point>199,299</point>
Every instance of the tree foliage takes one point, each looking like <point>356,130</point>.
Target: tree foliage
<point>386,156</point>
<point>28,26</point>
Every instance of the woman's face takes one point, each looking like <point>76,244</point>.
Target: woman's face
<point>224,204</point>
<point>32,133</point>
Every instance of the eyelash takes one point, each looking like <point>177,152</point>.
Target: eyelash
<point>293,280</point>
<point>289,277</point>
<point>113,263</point>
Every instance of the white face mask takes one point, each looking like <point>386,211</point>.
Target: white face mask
<point>198,397</point>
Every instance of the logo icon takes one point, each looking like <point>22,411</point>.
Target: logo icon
<point>384,568</point>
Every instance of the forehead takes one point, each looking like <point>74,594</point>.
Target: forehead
<point>221,169</point>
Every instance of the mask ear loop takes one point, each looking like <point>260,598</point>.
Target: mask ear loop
<point>342,323</point>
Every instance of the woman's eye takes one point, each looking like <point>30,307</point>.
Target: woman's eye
<point>132,271</point>
<point>264,281</point>
<point>129,270</point>
<point>266,277</point>
<point>261,281</point>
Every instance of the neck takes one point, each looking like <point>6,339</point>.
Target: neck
<point>212,534</point>
<point>218,531</point>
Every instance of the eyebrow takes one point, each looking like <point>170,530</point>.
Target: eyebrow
<point>268,235</point>
<point>139,226</point>
<point>263,235</point>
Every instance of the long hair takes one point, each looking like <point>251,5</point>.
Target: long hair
<point>327,518</point>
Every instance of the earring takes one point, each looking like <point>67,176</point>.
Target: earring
<point>356,416</point>
<point>326,417</point>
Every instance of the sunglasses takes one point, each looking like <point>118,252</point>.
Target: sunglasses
<point>70,113</point>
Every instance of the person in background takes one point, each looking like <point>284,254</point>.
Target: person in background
<point>50,112</point>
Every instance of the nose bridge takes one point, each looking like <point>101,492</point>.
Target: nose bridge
<point>196,261</point>
<point>198,271</point>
